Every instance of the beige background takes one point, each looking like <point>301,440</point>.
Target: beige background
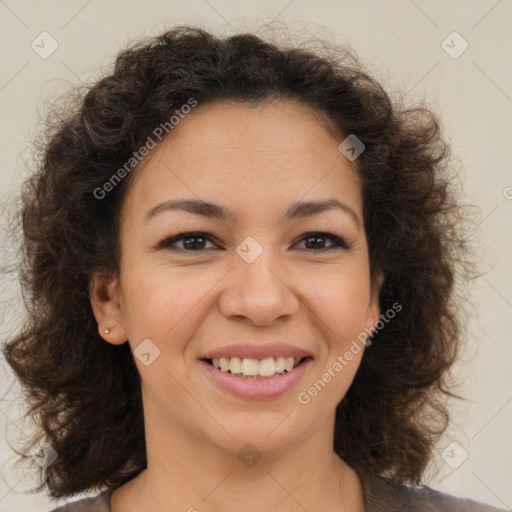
<point>401,41</point>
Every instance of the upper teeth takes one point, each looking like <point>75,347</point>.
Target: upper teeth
<point>264,367</point>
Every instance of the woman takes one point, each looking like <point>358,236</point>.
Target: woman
<point>241,260</point>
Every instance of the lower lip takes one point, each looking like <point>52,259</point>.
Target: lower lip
<point>256,389</point>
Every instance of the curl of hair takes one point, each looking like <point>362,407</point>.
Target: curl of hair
<point>85,393</point>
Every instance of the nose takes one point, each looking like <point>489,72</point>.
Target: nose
<point>259,291</point>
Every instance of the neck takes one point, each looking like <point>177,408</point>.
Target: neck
<point>187,472</point>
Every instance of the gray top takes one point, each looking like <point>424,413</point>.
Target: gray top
<point>380,495</point>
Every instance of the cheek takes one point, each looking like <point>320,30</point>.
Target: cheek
<point>163,301</point>
<point>340,311</point>
<point>340,301</point>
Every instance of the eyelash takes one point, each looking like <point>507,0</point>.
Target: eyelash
<point>168,242</point>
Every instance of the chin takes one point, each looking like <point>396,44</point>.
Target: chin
<point>264,431</point>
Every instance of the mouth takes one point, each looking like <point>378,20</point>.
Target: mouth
<point>256,379</point>
<point>256,369</point>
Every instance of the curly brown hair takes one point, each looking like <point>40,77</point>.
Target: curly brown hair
<point>85,393</point>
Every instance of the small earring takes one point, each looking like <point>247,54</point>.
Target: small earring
<point>107,330</point>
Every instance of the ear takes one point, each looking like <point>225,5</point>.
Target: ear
<point>374,306</point>
<point>104,294</point>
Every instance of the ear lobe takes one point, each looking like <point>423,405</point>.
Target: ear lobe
<point>104,295</point>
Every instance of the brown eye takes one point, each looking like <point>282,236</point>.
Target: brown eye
<point>192,242</point>
<point>316,241</point>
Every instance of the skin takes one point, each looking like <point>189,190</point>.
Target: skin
<point>255,161</point>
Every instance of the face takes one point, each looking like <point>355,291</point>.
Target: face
<point>269,280</point>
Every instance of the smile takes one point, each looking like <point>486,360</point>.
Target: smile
<point>251,368</point>
<point>253,378</point>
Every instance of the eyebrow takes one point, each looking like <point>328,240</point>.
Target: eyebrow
<point>207,209</point>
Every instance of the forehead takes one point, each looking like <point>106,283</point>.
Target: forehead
<point>250,157</point>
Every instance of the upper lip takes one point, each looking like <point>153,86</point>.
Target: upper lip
<point>256,351</point>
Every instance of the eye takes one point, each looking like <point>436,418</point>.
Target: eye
<point>312,240</point>
<point>195,242</point>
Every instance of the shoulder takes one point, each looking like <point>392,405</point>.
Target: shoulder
<point>99,503</point>
<point>383,494</point>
